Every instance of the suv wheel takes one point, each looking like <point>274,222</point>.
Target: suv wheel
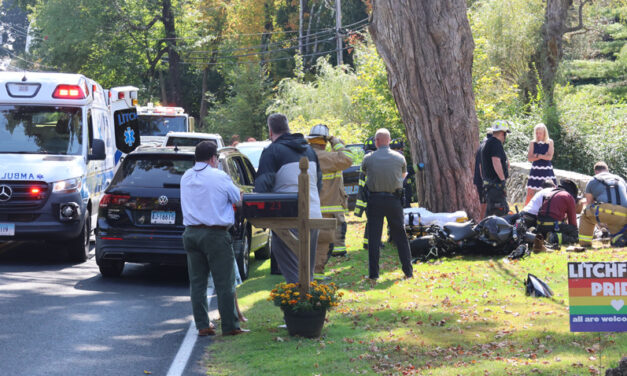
<point>265,252</point>
<point>78,248</point>
<point>111,268</point>
<point>242,254</point>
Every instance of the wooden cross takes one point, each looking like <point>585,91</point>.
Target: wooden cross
<point>280,226</point>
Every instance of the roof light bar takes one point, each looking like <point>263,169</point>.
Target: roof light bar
<point>68,92</point>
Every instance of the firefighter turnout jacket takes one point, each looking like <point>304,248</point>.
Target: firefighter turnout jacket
<point>333,163</point>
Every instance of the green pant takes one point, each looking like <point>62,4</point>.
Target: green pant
<point>211,250</point>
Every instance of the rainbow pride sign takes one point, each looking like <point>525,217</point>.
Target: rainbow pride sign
<point>598,296</point>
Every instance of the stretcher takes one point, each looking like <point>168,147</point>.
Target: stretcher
<point>418,219</point>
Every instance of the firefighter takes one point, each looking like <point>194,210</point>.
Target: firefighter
<point>362,193</point>
<point>333,198</point>
<point>606,198</point>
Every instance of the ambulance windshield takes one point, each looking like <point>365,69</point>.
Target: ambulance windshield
<point>41,130</point>
<point>150,125</point>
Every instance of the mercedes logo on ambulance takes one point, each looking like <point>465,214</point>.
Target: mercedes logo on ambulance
<point>5,193</point>
<point>163,200</point>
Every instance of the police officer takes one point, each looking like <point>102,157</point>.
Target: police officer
<point>606,196</point>
<point>385,171</point>
<point>332,195</point>
<point>494,169</point>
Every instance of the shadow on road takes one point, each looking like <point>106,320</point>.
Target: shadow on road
<point>135,275</point>
<point>30,253</point>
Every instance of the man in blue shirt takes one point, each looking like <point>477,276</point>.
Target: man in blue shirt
<point>207,198</point>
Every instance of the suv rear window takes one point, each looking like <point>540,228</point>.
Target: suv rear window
<point>153,171</point>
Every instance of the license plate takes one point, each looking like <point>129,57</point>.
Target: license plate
<point>162,217</point>
<point>7,229</point>
<point>351,189</point>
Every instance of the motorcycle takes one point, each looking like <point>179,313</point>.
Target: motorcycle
<point>493,236</point>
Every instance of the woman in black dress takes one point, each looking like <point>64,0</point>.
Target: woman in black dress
<point>540,154</point>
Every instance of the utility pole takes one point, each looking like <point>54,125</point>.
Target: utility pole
<point>338,25</point>
<point>301,21</point>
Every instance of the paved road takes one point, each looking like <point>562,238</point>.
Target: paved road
<point>58,318</point>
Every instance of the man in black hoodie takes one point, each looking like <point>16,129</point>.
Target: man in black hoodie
<point>278,173</point>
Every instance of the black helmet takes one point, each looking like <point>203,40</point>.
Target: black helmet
<point>570,187</point>
<point>369,145</point>
<point>397,144</point>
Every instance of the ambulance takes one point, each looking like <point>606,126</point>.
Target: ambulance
<point>58,140</point>
<point>155,122</point>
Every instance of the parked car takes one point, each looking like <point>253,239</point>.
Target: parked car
<point>253,150</point>
<point>140,218</point>
<point>191,138</point>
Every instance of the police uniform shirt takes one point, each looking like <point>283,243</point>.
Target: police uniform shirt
<point>493,148</point>
<point>599,191</point>
<point>384,170</point>
<point>207,196</point>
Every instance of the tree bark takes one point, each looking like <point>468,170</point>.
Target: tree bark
<point>427,47</point>
<point>174,59</point>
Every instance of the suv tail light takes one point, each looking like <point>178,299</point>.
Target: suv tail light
<point>109,199</point>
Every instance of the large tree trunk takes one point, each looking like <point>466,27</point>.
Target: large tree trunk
<point>174,59</point>
<point>552,49</point>
<point>427,47</point>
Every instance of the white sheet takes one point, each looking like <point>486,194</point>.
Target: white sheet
<point>425,217</point>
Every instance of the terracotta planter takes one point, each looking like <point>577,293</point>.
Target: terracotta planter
<point>306,324</point>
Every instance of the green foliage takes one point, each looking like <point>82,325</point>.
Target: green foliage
<point>594,71</point>
<point>598,133</point>
<point>353,103</point>
<point>509,32</point>
<point>372,97</point>
<point>504,43</point>
<point>243,112</point>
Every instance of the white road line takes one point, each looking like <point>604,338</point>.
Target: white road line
<point>185,351</point>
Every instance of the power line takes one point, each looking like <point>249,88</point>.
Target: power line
<point>293,39</point>
<point>28,61</point>
<point>260,52</point>
<point>263,33</point>
<point>268,60</point>
<point>268,51</point>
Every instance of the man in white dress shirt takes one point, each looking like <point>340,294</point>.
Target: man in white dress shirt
<point>207,198</point>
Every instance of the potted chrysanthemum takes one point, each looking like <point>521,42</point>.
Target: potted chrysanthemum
<point>304,313</point>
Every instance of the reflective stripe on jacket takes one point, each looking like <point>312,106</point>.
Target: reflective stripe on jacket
<point>332,163</point>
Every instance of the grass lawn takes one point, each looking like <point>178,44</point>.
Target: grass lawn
<point>460,316</point>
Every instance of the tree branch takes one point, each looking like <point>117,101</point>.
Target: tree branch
<point>130,23</point>
<point>580,25</point>
<point>153,62</point>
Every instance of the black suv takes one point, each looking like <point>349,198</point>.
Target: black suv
<point>140,218</point>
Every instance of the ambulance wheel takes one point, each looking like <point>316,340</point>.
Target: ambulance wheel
<point>111,268</point>
<point>78,248</point>
<point>241,248</point>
